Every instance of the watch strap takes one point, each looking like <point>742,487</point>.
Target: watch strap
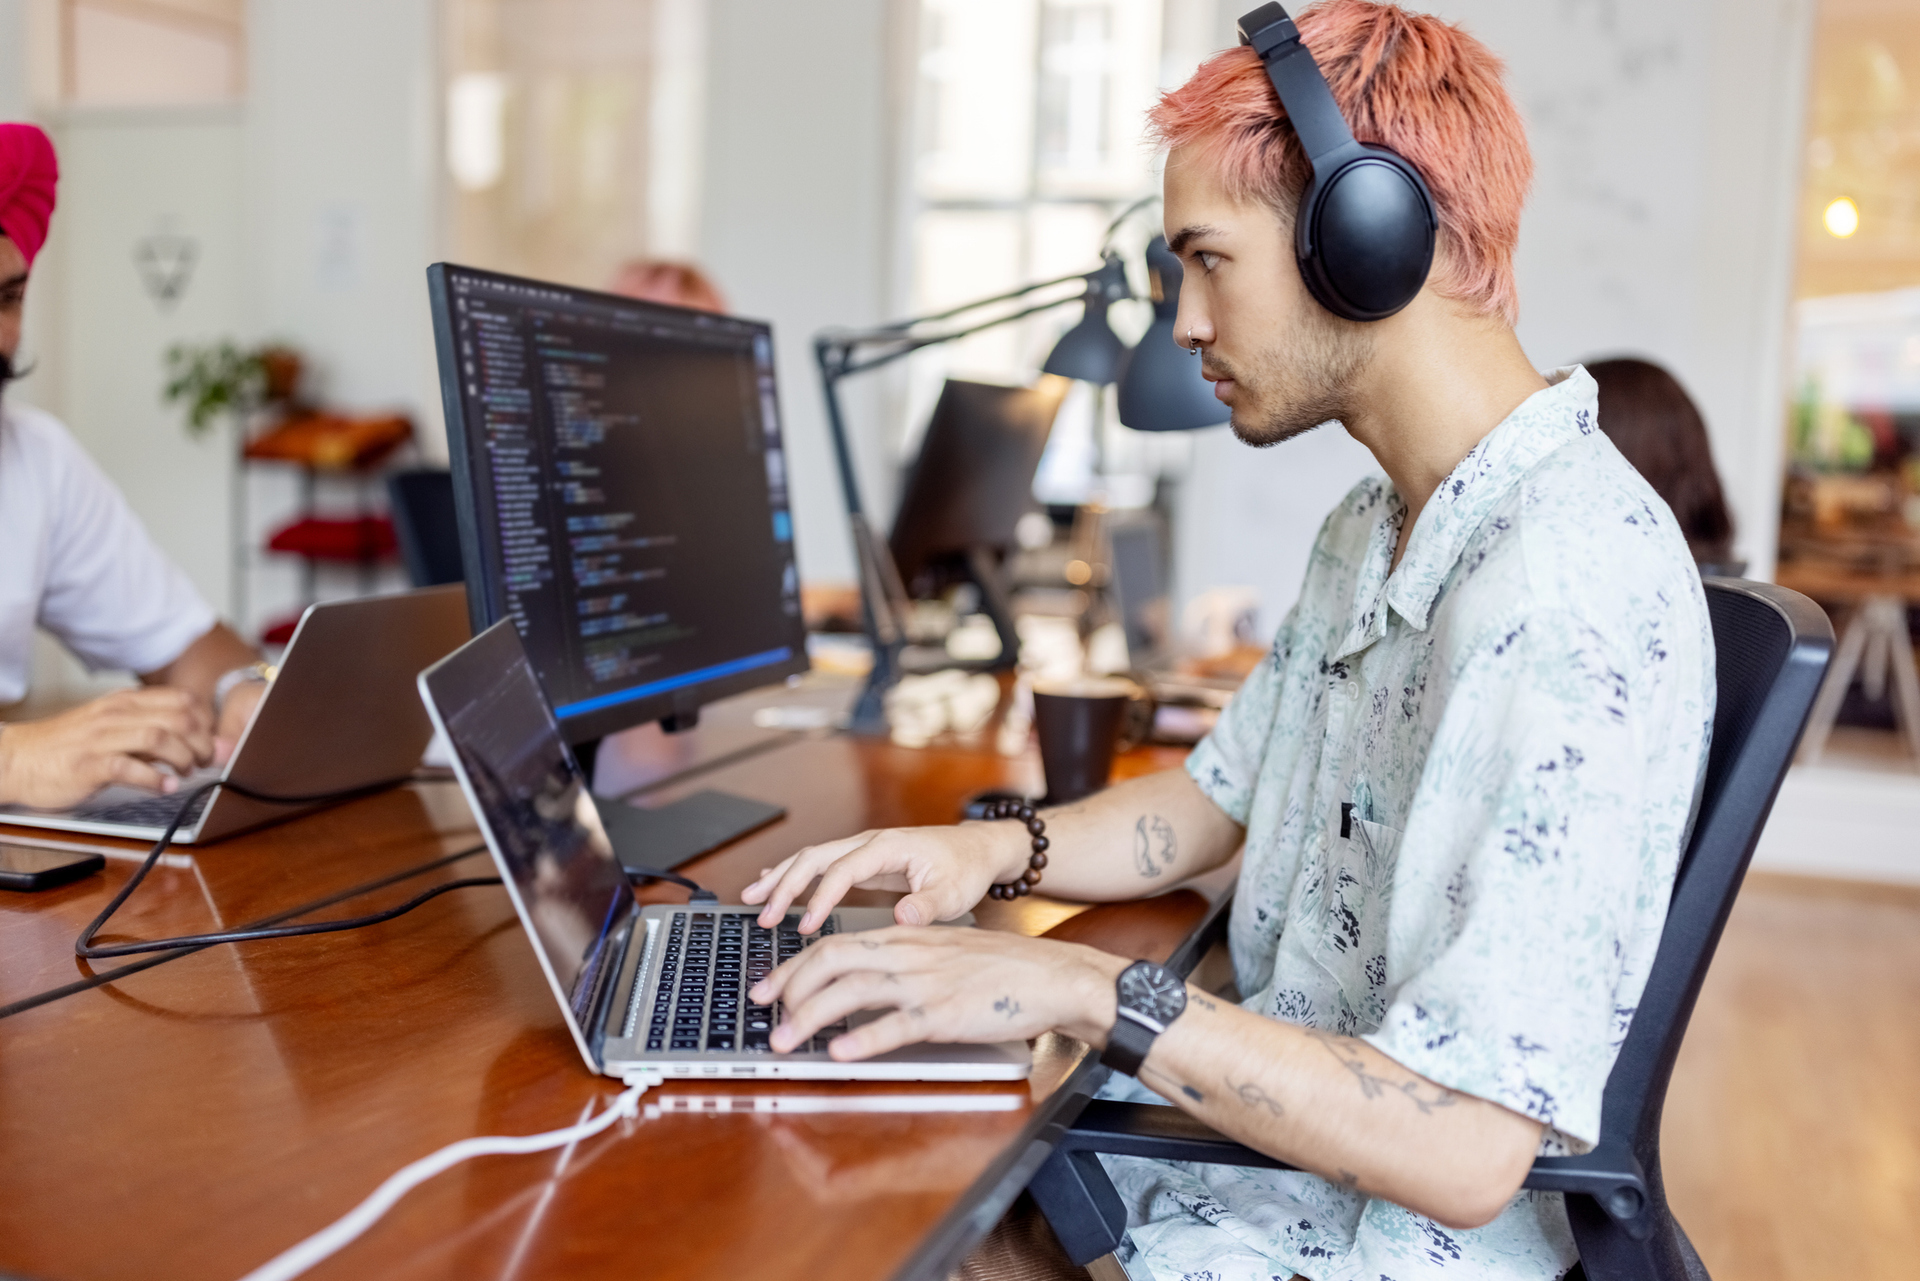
<point>1127,1046</point>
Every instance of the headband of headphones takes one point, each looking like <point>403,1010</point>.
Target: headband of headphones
<point>1296,78</point>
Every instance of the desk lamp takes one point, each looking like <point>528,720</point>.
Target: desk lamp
<point>1157,394</point>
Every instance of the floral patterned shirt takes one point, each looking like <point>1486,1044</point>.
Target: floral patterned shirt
<point>1465,785</point>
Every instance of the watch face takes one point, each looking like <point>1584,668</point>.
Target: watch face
<point>1153,992</point>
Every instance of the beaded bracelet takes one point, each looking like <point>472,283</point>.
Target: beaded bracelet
<point>1037,829</point>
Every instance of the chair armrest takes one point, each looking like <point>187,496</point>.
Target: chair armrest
<point>1611,1176</point>
<point>1165,1133</point>
<point>1159,1131</point>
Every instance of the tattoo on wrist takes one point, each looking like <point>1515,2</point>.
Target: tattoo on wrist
<point>1154,845</point>
<point>1006,1005</point>
<point>1253,1096</point>
<point>1205,1003</point>
<point>1422,1094</point>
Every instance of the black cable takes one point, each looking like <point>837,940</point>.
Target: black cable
<point>100,978</point>
<point>84,945</point>
<point>701,894</point>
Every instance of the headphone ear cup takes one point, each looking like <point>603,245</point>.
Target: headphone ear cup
<point>1369,237</point>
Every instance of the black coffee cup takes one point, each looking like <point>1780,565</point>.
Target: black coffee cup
<point>1080,723</point>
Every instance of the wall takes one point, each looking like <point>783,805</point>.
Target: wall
<point>341,204</point>
<point>1665,139</point>
<point>798,219</point>
<point>13,62</point>
<point>162,180</point>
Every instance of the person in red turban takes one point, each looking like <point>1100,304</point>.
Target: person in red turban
<point>76,561</point>
<point>28,172</point>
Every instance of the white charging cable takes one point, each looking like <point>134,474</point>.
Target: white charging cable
<point>329,1240</point>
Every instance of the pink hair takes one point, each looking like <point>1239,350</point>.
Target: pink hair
<point>1407,81</point>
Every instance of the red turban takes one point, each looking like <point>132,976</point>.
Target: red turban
<point>28,173</point>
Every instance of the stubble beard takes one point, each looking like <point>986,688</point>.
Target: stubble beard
<point>1290,390</point>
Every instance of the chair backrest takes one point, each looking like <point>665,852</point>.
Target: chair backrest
<point>1772,647</point>
<point>425,526</point>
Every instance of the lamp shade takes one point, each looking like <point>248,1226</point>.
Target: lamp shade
<point>1161,388</point>
<point>1091,351</point>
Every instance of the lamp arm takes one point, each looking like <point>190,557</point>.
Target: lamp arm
<point>899,331</point>
<point>1106,241</point>
<point>907,345</point>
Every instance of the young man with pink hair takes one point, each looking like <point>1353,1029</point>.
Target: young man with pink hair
<point>1461,781</point>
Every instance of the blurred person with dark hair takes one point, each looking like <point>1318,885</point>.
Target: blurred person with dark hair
<point>75,560</point>
<point>678,284</point>
<point>1650,418</point>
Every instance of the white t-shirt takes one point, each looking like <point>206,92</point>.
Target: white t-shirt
<point>75,560</point>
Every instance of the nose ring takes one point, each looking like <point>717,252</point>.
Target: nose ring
<point>1191,349</point>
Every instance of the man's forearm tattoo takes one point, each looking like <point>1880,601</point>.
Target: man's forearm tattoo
<point>1253,1096</point>
<point>1006,1005</point>
<point>1422,1094</point>
<point>1205,1003</point>
<point>1154,845</point>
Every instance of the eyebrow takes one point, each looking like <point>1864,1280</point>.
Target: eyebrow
<point>1187,235</point>
<point>11,281</point>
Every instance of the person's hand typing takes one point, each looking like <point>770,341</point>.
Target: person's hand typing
<point>943,870</point>
<point>941,984</point>
<point>123,737</point>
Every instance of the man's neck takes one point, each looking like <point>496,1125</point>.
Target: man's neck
<point>1438,382</point>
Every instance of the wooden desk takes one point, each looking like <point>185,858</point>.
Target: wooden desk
<point>194,1119</point>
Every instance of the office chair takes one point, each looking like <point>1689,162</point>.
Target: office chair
<point>1772,646</point>
<point>425,526</point>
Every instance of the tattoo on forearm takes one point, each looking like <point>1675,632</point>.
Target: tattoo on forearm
<point>1422,1094</point>
<point>1154,845</point>
<point>1253,1096</point>
<point>1193,1094</point>
<point>1194,998</point>
<point>1006,1005</point>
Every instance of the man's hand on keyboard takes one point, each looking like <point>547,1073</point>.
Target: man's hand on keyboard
<point>941,984</point>
<point>945,871</point>
<point>123,737</point>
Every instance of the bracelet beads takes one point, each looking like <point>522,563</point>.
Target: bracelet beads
<point>1023,812</point>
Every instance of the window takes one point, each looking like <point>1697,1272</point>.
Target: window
<point>572,133</point>
<point>1850,531</point>
<point>1029,139</point>
<point>144,53</point>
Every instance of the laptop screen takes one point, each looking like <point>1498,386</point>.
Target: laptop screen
<point>545,832</point>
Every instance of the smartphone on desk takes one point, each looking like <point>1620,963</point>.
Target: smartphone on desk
<point>28,867</point>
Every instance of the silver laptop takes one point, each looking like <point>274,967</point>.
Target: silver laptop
<point>340,715</point>
<point>656,988</point>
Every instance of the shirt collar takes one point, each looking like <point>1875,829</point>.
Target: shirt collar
<point>1557,414</point>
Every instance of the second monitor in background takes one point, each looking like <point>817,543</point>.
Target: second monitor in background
<point>621,487</point>
<point>969,487</point>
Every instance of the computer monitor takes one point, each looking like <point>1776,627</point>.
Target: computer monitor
<point>969,487</point>
<point>621,488</point>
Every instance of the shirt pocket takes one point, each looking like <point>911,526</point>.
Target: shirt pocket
<point>1358,899</point>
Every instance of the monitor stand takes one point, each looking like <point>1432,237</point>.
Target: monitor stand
<point>664,837</point>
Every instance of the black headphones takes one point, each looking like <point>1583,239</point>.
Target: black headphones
<point>1364,232</point>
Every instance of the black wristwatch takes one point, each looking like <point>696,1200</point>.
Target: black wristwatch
<point>1151,998</point>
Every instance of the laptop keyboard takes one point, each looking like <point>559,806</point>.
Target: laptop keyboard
<point>147,811</point>
<point>711,961</point>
